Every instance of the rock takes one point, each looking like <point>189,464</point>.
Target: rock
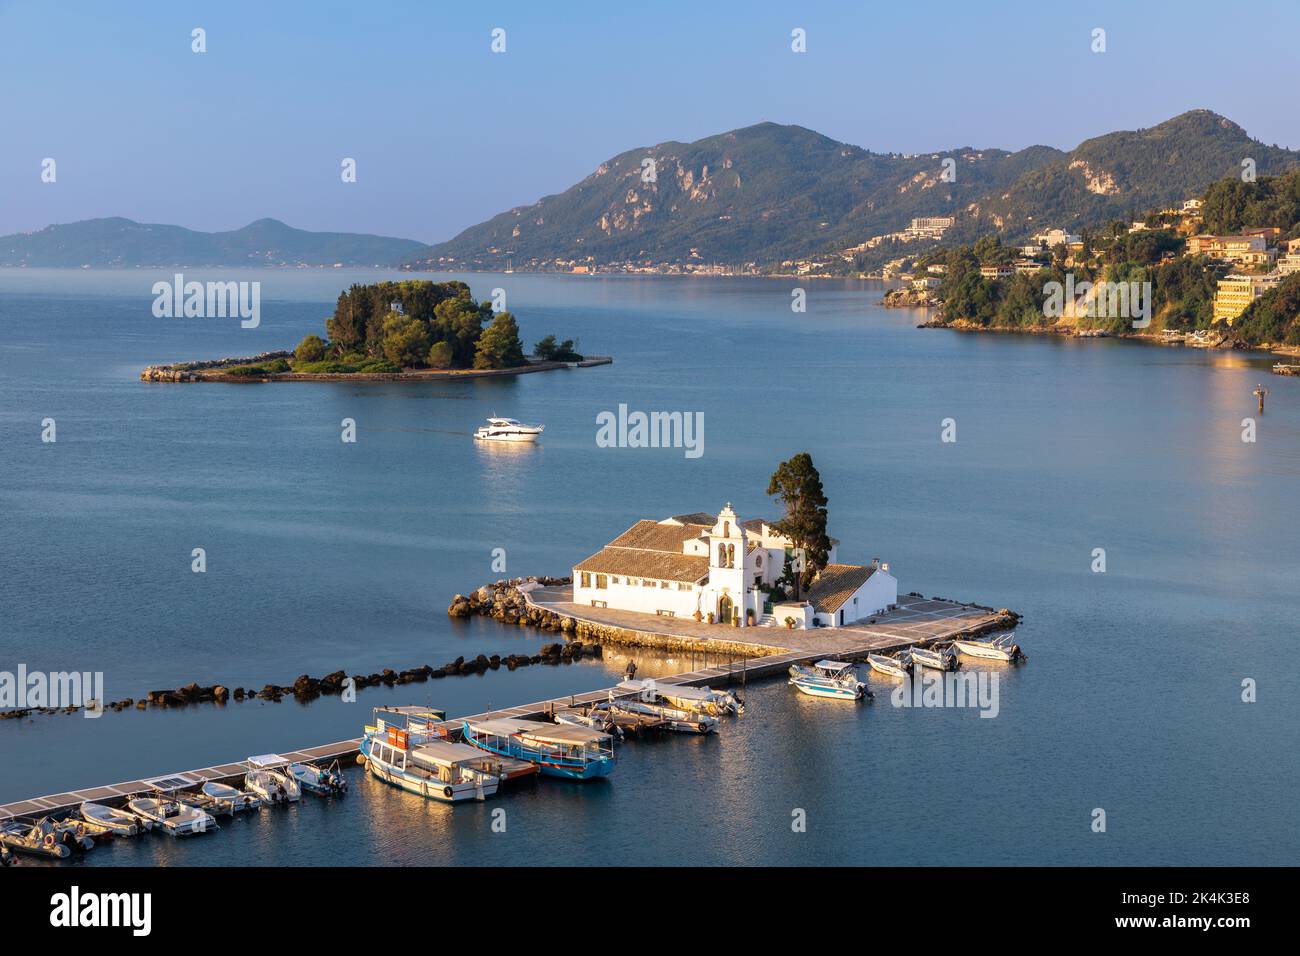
<point>239,693</point>
<point>219,694</point>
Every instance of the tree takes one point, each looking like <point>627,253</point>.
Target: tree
<point>499,345</point>
<point>310,349</point>
<point>549,350</point>
<point>405,340</point>
<point>441,355</point>
<point>799,487</point>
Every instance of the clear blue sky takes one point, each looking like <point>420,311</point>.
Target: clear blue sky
<point>446,133</point>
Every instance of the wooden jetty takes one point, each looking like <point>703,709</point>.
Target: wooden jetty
<point>916,621</point>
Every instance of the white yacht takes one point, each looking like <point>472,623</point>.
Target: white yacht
<point>507,429</point>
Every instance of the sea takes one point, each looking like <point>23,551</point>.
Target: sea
<point>1129,500</point>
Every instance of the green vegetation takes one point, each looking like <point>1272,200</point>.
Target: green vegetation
<point>548,350</point>
<point>1231,205</point>
<point>273,367</point>
<point>1275,316</point>
<point>391,326</point>
<point>798,485</point>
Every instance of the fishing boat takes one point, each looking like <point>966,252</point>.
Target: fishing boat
<point>169,813</point>
<point>682,721</point>
<point>1002,648</point>
<point>828,679</point>
<point>34,839</point>
<point>104,819</point>
<point>575,753</point>
<point>928,657</point>
<point>234,798</point>
<point>268,778</point>
<point>508,429</point>
<point>890,666</point>
<point>323,782</point>
<point>436,769</point>
<point>702,700</point>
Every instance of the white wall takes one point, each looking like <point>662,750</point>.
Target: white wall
<point>876,594</point>
<point>637,597</point>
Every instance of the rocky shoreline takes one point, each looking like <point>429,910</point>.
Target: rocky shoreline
<point>1223,341</point>
<point>911,299</point>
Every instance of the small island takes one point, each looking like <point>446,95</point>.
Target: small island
<point>395,331</point>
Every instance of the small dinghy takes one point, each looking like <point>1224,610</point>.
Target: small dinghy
<point>267,777</point>
<point>890,666</point>
<point>323,783</point>
<point>595,719</point>
<point>828,679</point>
<point>1002,648</point>
<point>939,660</point>
<point>171,816</point>
<point>102,819</point>
<point>39,839</point>
<point>701,700</point>
<point>234,798</point>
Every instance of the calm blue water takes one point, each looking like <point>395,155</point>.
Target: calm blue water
<point>323,555</point>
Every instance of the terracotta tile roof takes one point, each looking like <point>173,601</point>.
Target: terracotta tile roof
<point>650,535</point>
<point>835,585</point>
<point>659,565</point>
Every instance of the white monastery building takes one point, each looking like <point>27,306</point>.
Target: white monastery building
<point>716,568</point>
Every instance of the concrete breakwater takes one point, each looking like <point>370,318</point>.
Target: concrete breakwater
<point>507,601</point>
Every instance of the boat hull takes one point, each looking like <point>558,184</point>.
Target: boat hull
<point>586,770</point>
<point>985,651</point>
<point>890,669</point>
<point>814,689</point>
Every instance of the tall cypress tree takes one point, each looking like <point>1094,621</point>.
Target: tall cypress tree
<point>799,487</point>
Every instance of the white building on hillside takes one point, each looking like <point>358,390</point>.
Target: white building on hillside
<point>706,567</point>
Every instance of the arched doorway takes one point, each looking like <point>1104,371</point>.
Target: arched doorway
<point>724,609</point>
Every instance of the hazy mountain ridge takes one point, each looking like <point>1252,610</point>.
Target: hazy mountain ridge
<point>120,243</point>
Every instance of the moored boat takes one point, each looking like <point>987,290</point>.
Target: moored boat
<point>234,798</point>
<point>890,666</point>
<point>703,700</point>
<point>268,778</point>
<point>34,839</point>
<point>944,660</point>
<point>108,820</point>
<point>172,816</point>
<point>558,750</point>
<point>75,833</point>
<point>828,679</point>
<point>673,718</point>
<point>436,769</point>
<point>322,781</point>
<point>1002,648</point>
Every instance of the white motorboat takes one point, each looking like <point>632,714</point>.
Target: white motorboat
<point>683,721</point>
<point>319,780</point>
<point>268,777</point>
<point>172,816</point>
<point>508,429</point>
<point>1002,648</point>
<point>232,797</point>
<point>890,666</point>
<point>102,819</point>
<point>701,700</point>
<point>944,660</point>
<point>828,679</point>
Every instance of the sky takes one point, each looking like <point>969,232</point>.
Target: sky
<point>446,133</point>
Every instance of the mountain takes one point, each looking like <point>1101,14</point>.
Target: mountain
<point>118,242</point>
<point>762,193</point>
<point>769,193</point>
<point>1128,172</point>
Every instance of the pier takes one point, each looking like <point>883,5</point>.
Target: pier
<point>917,621</point>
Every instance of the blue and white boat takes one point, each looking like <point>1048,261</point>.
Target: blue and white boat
<point>322,781</point>
<point>828,679</point>
<point>558,750</point>
<point>436,769</point>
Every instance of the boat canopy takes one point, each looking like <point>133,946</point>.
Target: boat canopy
<point>506,726</point>
<point>173,782</point>
<point>685,692</point>
<point>267,762</point>
<point>412,710</point>
<point>441,753</point>
<point>833,666</point>
<point>567,734</point>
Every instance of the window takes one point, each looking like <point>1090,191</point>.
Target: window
<point>633,581</point>
<point>663,584</point>
<point>602,581</point>
<point>647,583</point>
<point>586,579</point>
<point>614,580</point>
<point>684,587</point>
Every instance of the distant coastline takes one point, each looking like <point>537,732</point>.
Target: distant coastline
<point>219,371</point>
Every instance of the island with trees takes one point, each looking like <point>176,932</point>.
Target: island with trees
<point>396,331</point>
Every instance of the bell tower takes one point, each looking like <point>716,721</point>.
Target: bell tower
<point>727,567</point>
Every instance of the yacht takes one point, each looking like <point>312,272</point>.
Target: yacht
<point>508,429</point>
